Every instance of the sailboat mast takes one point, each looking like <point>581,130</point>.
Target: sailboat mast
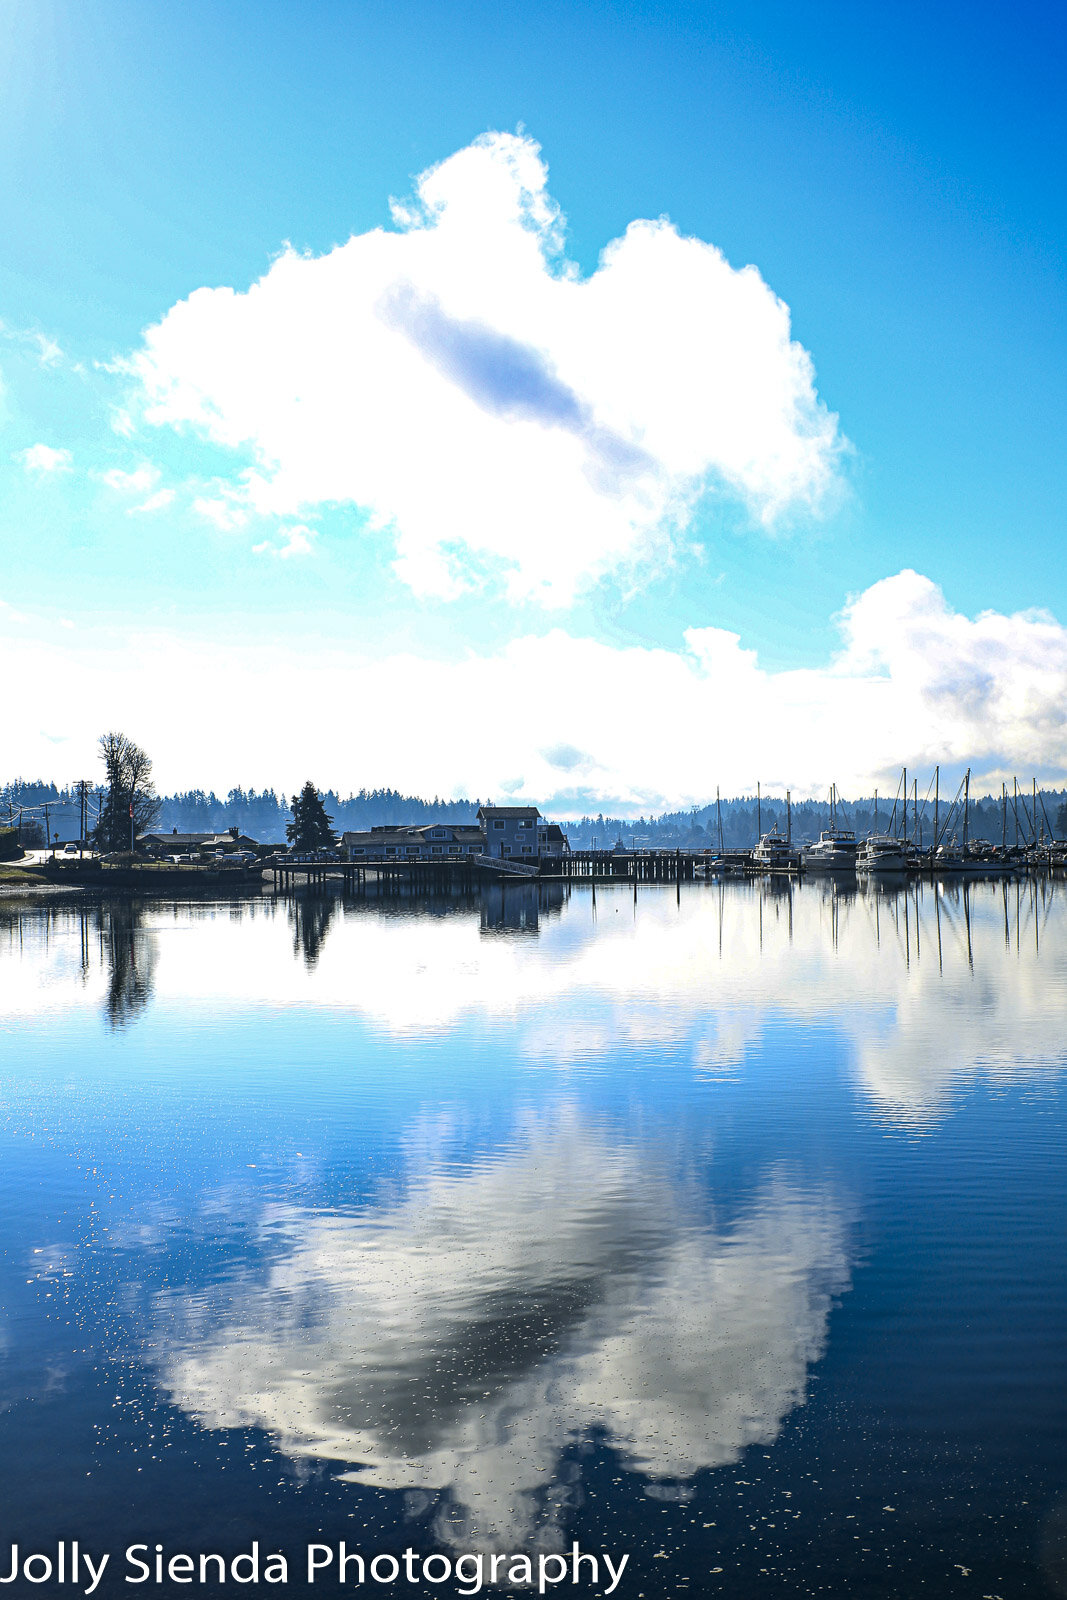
<point>937,804</point>
<point>966,805</point>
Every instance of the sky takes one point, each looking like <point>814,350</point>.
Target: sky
<point>588,403</point>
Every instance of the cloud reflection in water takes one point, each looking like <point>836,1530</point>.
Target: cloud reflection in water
<point>457,1341</point>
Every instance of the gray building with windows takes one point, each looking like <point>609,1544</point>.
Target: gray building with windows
<point>501,831</point>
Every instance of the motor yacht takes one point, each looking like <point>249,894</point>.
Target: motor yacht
<point>882,853</point>
<point>834,851</point>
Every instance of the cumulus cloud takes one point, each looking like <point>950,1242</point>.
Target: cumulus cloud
<point>458,1341</point>
<point>44,458</point>
<point>914,681</point>
<point>296,541</point>
<point>159,501</point>
<point>500,415</point>
<point>139,480</point>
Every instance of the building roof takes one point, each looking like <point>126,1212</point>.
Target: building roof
<point>465,832</point>
<point>509,813</point>
<point>192,841</point>
<point>179,839</point>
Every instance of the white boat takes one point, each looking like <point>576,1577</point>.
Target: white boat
<point>774,853</point>
<point>835,851</point>
<point>882,853</point>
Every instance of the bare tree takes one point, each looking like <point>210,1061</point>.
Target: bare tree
<point>131,805</point>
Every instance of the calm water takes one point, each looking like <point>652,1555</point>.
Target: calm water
<point>724,1229</point>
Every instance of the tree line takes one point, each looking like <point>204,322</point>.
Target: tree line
<point>267,815</point>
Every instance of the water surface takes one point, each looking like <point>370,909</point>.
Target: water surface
<point>722,1227</point>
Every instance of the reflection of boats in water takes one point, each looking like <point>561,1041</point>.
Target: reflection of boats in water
<point>881,853</point>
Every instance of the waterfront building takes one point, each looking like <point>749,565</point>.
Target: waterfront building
<point>501,831</point>
<point>510,830</point>
<point>431,841</point>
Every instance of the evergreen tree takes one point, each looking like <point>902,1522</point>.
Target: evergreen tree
<point>130,803</point>
<point>310,828</point>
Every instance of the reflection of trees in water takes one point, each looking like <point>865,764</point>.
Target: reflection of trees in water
<point>131,954</point>
<point>310,916</point>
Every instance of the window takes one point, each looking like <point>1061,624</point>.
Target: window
<point>527,849</point>
<point>439,833</point>
<point>505,850</point>
<point>390,849</point>
<point>524,822</point>
<point>413,849</point>
<point>437,849</point>
<point>498,822</point>
<point>358,850</point>
<point>455,850</point>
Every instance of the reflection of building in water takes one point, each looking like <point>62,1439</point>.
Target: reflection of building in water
<point>310,916</point>
<point>518,907</point>
<point>458,1341</point>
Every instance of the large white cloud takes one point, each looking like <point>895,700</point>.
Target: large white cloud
<point>459,380</point>
<point>567,721</point>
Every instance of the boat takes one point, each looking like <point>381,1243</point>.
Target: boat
<point>882,853</point>
<point>774,853</point>
<point>834,851</point>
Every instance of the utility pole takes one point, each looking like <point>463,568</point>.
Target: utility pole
<point>83,814</point>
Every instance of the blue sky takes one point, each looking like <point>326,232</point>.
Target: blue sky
<point>892,177</point>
